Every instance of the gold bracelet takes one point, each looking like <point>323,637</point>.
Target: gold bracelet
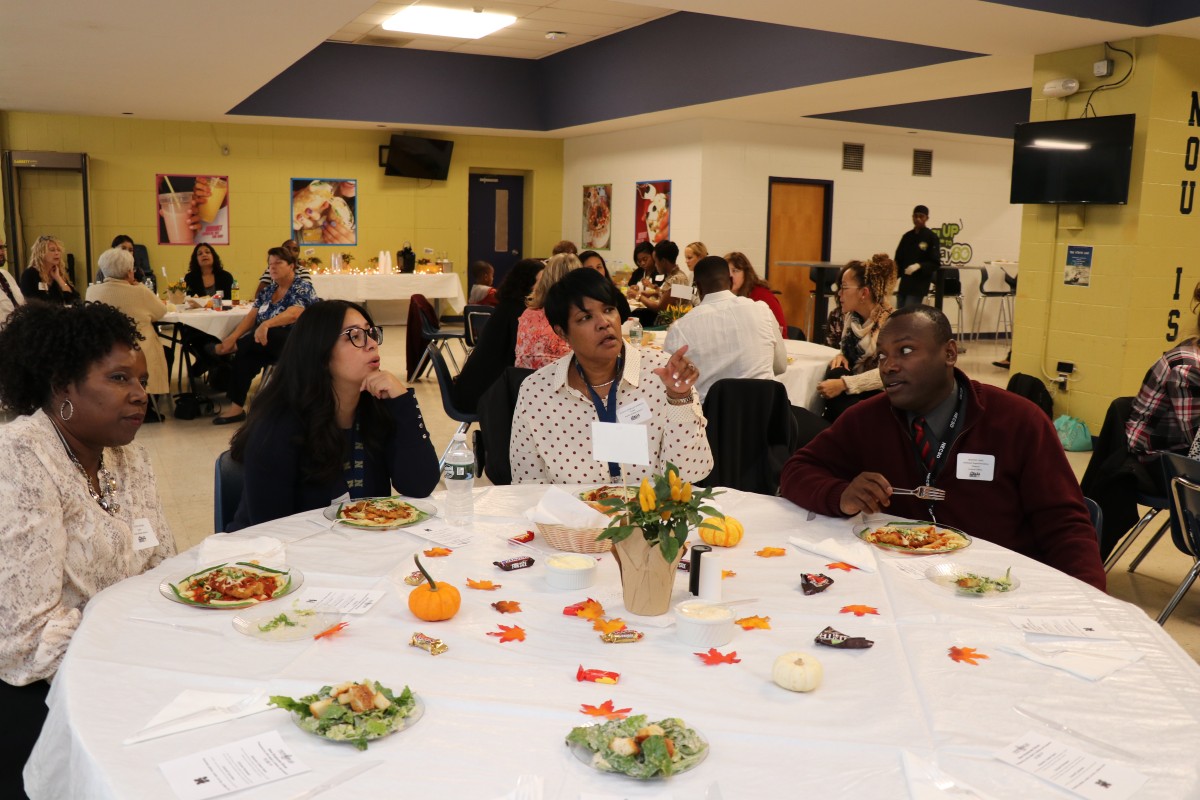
<point>681,401</point>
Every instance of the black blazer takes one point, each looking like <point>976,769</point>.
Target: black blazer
<point>222,282</point>
<point>30,283</point>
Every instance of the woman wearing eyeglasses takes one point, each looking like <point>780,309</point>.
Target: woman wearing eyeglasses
<point>330,423</point>
<point>46,277</point>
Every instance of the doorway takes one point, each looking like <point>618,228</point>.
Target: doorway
<point>800,219</point>
<point>495,222</point>
<point>47,192</point>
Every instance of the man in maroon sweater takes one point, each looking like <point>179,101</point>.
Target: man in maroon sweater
<point>995,454</point>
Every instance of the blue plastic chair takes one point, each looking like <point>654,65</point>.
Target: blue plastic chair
<point>227,491</point>
<point>464,419</point>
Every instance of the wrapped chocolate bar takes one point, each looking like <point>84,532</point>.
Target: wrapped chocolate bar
<point>414,578</point>
<point>815,582</point>
<point>831,638</point>
<point>518,562</point>
<point>435,647</point>
<point>597,675</point>
<point>623,636</point>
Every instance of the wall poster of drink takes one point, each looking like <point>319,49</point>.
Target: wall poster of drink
<point>597,214</point>
<point>324,211</point>
<point>652,212</point>
<point>193,209</point>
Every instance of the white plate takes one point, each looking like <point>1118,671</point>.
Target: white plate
<point>306,623</point>
<point>946,575</point>
<point>424,506</point>
<point>295,576</point>
<point>412,719</point>
<point>585,755</point>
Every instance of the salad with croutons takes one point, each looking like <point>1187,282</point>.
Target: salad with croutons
<point>641,749</point>
<point>352,712</point>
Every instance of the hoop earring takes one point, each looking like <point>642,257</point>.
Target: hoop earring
<point>66,410</point>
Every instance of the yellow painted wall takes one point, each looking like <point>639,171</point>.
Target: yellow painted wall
<point>125,155</point>
<point>1114,329</point>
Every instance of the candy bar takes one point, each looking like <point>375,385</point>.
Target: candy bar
<point>524,538</point>
<point>815,582</point>
<point>831,638</point>
<point>684,566</point>
<point>596,675</point>
<point>414,578</point>
<point>434,646</point>
<point>518,562</point>
<point>621,637</point>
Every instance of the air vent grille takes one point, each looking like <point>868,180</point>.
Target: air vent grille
<point>923,163</point>
<point>852,156</point>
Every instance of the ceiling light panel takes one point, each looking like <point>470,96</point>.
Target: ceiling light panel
<point>458,23</point>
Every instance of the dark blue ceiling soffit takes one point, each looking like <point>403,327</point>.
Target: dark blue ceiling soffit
<point>676,61</point>
<point>1144,13</point>
<point>990,114</point>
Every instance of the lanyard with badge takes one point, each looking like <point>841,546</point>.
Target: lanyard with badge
<point>947,440</point>
<point>606,413</point>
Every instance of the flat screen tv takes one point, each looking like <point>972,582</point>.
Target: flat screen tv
<point>1073,160</point>
<point>417,157</point>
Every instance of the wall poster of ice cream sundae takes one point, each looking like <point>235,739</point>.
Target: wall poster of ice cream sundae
<point>597,216</point>
<point>193,209</point>
<point>325,211</point>
<point>652,212</point>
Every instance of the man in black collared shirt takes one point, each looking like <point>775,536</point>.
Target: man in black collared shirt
<point>917,258</point>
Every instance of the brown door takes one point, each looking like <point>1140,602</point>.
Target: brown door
<point>798,230</point>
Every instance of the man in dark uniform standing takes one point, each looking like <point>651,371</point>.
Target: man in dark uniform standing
<point>917,258</point>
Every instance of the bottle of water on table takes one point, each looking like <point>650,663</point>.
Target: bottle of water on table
<point>635,332</point>
<point>459,472</point>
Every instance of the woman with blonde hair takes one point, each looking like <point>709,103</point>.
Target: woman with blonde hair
<point>746,283</point>
<point>537,343</point>
<point>46,277</point>
<point>853,375</point>
<point>693,253</point>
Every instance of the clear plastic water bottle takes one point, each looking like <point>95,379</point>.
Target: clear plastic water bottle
<point>635,332</point>
<point>235,293</point>
<point>459,472</point>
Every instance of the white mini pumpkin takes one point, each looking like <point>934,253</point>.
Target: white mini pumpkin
<point>797,672</point>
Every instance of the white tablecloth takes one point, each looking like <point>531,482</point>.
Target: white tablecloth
<point>216,323</point>
<point>361,288</point>
<point>807,363</point>
<point>496,711</point>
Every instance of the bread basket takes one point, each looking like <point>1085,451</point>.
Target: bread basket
<point>574,540</point>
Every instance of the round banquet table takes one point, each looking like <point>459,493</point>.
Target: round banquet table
<point>496,711</point>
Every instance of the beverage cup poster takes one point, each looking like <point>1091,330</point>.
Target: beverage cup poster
<point>652,212</point>
<point>193,209</point>
<point>324,211</point>
<point>597,216</point>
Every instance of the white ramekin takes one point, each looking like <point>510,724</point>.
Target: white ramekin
<point>697,632</point>
<point>562,577</point>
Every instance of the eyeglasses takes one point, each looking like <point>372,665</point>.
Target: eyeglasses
<point>358,336</point>
<point>852,288</point>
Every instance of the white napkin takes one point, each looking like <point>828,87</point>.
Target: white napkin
<point>1087,662</point>
<point>237,547</point>
<point>852,552</point>
<point>188,702</point>
<point>562,508</point>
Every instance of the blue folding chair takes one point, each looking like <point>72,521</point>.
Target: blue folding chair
<point>227,491</point>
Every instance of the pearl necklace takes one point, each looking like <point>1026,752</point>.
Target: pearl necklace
<point>108,484</point>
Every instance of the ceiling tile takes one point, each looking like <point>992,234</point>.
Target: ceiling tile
<point>608,21</point>
<point>611,7</point>
<point>543,26</point>
<point>486,50</point>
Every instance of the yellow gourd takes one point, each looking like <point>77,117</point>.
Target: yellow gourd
<point>728,534</point>
<point>797,672</point>
<point>433,602</point>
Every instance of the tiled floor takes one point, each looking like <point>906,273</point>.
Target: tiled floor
<point>184,451</point>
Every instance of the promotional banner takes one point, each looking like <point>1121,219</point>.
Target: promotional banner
<point>597,216</point>
<point>193,209</point>
<point>324,211</point>
<point>652,212</point>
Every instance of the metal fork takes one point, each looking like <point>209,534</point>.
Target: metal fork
<point>923,493</point>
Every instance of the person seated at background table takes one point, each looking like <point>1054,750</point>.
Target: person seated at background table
<point>995,454</point>
<point>727,336</point>
<point>537,343</point>
<point>482,293</point>
<point>259,338</point>
<point>121,290</point>
<point>10,290</point>
<point>141,272</point>
<point>665,255</point>
<point>594,261</point>
<point>551,438</point>
<point>692,254</point>
<point>302,272</point>
<point>46,277</point>
<point>864,290</point>
<point>643,260</point>
<point>746,283</point>
<point>76,494</point>
<point>206,274</point>
<point>330,422</point>
<point>495,349</point>
<point>565,246</point>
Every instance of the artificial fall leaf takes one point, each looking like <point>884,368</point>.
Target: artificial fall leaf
<point>859,611</point>
<point>485,585</point>
<point>509,633</point>
<point>728,573</point>
<point>605,710</point>
<point>771,552</point>
<point>438,551</point>
<point>840,565</point>
<point>965,655</point>
<point>756,621</point>
<point>590,610</point>
<point>596,675</point>
<point>507,606</point>
<point>336,629</point>
<point>715,656</point>
<point>608,625</point>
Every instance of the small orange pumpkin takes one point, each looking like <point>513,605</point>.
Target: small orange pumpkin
<point>728,532</point>
<point>433,602</point>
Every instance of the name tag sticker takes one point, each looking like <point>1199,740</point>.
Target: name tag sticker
<point>975,467</point>
<point>42,287</point>
<point>143,534</point>
<point>637,413</point>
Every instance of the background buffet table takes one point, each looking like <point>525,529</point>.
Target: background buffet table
<point>496,711</point>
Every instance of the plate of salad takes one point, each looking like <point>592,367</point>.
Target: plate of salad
<point>968,581</point>
<point>354,713</point>
<point>290,625</point>
<point>639,748</point>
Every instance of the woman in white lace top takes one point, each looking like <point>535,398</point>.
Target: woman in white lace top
<point>81,509</point>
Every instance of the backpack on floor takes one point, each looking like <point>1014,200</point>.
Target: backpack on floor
<point>1033,390</point>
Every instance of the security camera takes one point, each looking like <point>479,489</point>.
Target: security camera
<point>1060,87</point>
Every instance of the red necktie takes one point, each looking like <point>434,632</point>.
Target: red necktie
<point>921,440</point>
